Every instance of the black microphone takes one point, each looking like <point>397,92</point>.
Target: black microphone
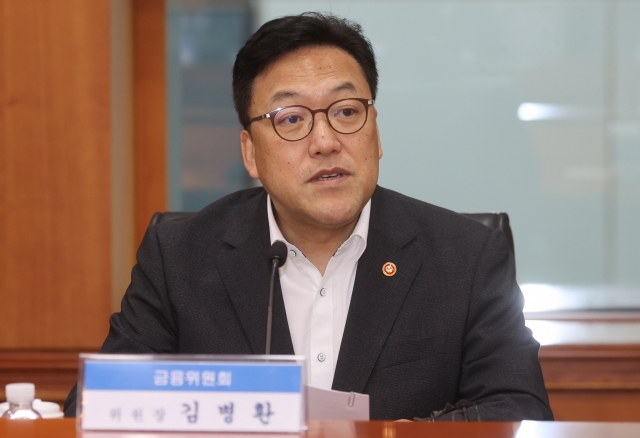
<point>277,257</point>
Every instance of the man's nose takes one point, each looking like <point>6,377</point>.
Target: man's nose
<point>323,138</point>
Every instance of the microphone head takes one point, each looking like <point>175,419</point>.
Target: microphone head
<point>278,251</point>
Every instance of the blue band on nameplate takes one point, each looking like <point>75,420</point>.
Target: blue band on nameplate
<point>175,376</point>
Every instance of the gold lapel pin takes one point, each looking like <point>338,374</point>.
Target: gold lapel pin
<point>389,269</point>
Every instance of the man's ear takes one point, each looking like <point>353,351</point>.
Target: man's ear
<point>248,154</point>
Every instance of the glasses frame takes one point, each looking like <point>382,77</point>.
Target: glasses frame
<point>271,115</point>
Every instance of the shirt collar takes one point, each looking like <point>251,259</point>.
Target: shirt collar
<point>361,230</point>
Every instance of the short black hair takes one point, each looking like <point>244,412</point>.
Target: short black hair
<point>281,36</point>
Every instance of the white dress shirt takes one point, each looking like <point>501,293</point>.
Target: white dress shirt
<point>317,305</point>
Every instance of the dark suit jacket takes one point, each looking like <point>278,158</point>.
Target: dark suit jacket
<point>447,326</point>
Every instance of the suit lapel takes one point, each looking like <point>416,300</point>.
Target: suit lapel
<point>376,298</point>
<point>245,271</point>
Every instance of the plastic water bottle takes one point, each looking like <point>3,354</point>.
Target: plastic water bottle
<point>20,397</point>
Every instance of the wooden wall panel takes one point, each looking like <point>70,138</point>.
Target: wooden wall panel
<point>55,267</point>
<point>595,405</point>
<point>53,373</point>
<point>150,111</point>
<point>606,367</point>
<point>585,382</point>
<point>122,152</point>
<point>593,382</point>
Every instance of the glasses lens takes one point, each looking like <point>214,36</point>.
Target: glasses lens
<point>347,116</point>
<point>293,123</point>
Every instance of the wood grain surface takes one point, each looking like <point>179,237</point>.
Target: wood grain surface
<point>604,367</point>
<point>55,267</point>
<point>593,382</point>
<point>53,372</point>
<point>150,111</point>
<point>66,428</point>
<point>585,382</point>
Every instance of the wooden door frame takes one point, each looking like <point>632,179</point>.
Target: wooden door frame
<point>150,108</point>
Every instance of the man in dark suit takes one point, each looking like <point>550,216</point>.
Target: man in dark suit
<point>412,304</point>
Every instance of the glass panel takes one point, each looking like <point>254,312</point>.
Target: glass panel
<point>624,129</point>
<point>528,107</point>
<point>204,154</point>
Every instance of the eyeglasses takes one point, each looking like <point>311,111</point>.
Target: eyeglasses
<point>293,123</point>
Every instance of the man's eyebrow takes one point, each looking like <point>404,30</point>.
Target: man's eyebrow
<point>345,86</point>
<point>281,95</point>
<point>285,94</point>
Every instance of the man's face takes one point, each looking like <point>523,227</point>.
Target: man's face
<point>292,171</point>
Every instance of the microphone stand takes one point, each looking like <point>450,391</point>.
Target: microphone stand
<point>277,258</point>
<point>274,270</point>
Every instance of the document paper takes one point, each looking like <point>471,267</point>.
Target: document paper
<point>324,404</point>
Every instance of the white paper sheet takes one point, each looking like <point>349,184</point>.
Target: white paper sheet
<point>324,404</point>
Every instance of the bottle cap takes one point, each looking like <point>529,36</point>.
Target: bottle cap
<point>20,392</point>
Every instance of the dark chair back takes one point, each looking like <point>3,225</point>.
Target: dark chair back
<point>499,221</point>
<point>159,217</point>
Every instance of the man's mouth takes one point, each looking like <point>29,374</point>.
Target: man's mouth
<point>329,174</point>
<point>328,177</point>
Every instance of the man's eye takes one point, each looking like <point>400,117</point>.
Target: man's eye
<point>289,120</point>
<point>346,112</point>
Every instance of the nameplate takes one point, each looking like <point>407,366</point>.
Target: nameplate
<point>191,393</point>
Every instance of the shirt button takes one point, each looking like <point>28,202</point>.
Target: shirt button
<point>292,252</point>
<point>323,292</point>
<point>321,357</point>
